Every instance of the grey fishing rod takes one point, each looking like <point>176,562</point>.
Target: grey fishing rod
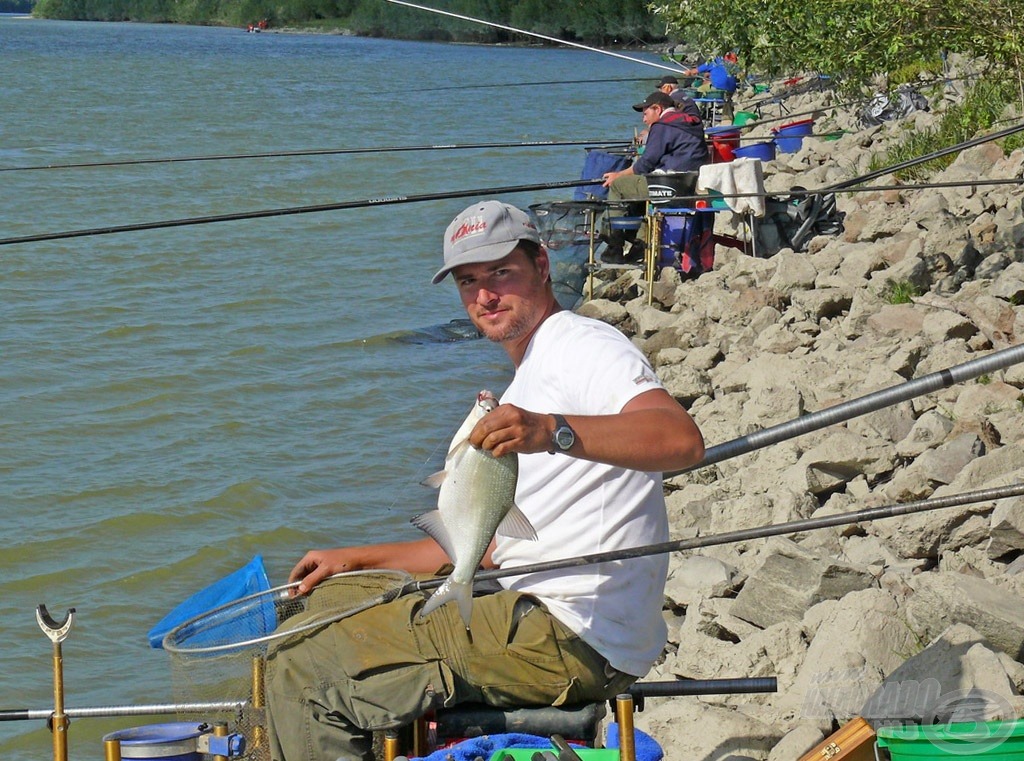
<point>361,204</point>
<point>927,157</point>
<point>26,714</point>
<point>653,689</point>
<point>741,535</point>
<point>872,402</point>
<point>315,152</point>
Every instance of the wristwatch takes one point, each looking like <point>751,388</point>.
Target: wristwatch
<point>564,436</point>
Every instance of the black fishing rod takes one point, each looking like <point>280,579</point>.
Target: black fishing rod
<point>795,192</point>
<point>872,402</point>
<point>741,535</point>
<point>381,201</point>
<point>848,185</point>
<point>315,152</point>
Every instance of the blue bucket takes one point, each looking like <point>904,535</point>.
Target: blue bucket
<point>789,137</point>
<point>160,742</point>
<point>763,151</point>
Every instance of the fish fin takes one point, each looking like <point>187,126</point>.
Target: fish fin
<point>433,525</point>
<point>461,592</point>
<point>515,524</point>
<point>434,480</point>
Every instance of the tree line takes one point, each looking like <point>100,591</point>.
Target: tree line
<point>854,41</point>
<point>603,22</point>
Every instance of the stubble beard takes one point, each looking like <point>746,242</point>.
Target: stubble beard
<point>516,328</point>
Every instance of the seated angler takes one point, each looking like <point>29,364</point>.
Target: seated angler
<point>675,143</point>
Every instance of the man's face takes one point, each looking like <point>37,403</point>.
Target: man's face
<point>652,114</point>
<point>506,299</point>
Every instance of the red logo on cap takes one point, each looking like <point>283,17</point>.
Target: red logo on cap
<point>469,227</point>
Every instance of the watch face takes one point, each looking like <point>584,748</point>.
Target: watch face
<point>564,438</point>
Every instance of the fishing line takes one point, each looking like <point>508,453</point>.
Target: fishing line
<point>673,69</point>
<point>534,84</point>
<point>314,152</point>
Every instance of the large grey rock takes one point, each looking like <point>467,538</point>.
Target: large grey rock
<point>957,677</point>
<point>790,581</point>
<point>943,599</point>
<point>694,576</point>
<point>1007,528</point>
<point>855,641</point>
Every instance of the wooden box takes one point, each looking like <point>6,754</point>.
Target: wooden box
<point>854,741</point>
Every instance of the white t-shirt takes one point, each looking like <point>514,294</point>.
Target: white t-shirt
<point>578,366</point>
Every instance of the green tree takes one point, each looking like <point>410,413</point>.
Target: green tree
<point>850,39</point>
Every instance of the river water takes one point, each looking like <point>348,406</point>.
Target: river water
<point>175,401</point>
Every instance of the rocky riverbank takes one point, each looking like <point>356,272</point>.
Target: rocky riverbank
<point>917,618</point>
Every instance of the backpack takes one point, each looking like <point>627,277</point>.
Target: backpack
<point>791,221</point>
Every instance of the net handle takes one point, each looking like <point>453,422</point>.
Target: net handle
<point>281,593</point>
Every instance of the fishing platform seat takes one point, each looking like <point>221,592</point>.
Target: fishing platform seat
<point>579,723</point>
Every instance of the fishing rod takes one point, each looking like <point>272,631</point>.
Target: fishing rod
<point>315,152</point>
<point>741,535</point>
<point>872,402</point>
<point>673,69</point>
<point>652,689</point>
<point>387,200</point>
<point>24,714</point>
<point>367,202</point>
<point>927,157</point>
<point>462,193</point>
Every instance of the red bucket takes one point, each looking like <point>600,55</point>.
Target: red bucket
<point>724,141</point>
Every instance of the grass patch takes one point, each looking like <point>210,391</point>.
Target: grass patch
<point>899,292</point>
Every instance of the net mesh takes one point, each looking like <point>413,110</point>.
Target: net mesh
<point>218,656</point>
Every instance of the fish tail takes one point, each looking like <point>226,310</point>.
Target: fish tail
<point>460,591</point>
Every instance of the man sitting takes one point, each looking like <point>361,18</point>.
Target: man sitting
<point>675,143</point>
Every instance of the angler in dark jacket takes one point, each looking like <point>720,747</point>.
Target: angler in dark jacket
<point>675,143</point>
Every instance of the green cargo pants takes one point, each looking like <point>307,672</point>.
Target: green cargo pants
<point>329,688</point>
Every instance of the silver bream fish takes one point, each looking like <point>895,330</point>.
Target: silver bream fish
<point>476,500</point>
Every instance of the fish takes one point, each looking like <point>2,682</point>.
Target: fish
<point>475,501</point>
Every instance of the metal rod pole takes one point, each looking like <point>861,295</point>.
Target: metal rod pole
<point>743,535</point>
<point>624,718</point>
<point>91,712</point>
<point>854,408</point>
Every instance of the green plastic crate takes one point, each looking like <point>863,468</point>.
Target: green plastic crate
<point>994,740</point>
<point>526,754</point>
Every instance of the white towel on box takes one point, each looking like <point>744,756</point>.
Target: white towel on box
<point>737,176</point>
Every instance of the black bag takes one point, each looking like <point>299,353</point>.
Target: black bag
<point>791,221</point>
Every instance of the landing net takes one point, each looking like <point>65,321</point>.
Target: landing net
<point>218,655</point>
